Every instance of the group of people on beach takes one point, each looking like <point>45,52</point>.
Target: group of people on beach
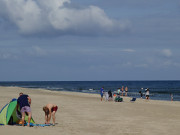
<point>121,91</point>
<point>24,102</point>
<point>146,93</point>
<point>108,95</point>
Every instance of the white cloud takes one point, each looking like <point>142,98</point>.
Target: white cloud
<point>128,50</point>
<point>166,52</point>
<point>127,64</point>
<point>4,55</point>
<point>39,51</point>
<point>43,16</point>
<point>167,63</point>
<point>176,64</point>
<point>36,51</point>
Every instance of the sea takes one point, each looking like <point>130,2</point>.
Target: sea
<point>159,90</point>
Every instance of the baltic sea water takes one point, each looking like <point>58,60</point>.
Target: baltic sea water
<point>159,90</point>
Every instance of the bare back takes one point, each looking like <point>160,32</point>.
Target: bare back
<point>50,106</point>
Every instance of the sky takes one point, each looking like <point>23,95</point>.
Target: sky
<point>89,40</point>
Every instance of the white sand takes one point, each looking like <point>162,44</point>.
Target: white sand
<point>85,114</point>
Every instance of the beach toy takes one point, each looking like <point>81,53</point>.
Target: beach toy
<point>20,122</point>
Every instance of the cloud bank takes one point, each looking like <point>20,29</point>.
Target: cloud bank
<point>59,16</point>
<point>167,52</point>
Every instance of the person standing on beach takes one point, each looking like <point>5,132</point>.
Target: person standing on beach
<point>102,92</point>
<point>50,109</point>
<point>126,90</point>
<point>24,101</point>
<point>140,92</point>
<point>106,96</point>
<point>171,96</point>
<point>147,93</point>
<point>119,91</point>
<point>122,89</point>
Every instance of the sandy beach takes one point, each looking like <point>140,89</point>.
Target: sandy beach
<point>85,114</point>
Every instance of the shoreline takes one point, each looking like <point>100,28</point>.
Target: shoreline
<point>97,95</point>
<point>84,113</point>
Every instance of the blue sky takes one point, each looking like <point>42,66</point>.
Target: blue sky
<point>71,40</point>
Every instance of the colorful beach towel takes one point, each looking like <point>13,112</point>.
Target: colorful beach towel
<point>38,125</point>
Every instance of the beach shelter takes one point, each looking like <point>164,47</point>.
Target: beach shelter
<point>9,115</point>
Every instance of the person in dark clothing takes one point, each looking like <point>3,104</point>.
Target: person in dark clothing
<point>110,93</point>
<point>24,102</point>
<point>141,94</point>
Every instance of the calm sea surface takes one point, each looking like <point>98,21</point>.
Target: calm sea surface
<point>159,90</point>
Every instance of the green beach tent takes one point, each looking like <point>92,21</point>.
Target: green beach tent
<point>8,114</point>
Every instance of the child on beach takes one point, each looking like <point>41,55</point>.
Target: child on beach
<point>102,92</point>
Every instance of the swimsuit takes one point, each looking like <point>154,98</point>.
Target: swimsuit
<point>54,109</point>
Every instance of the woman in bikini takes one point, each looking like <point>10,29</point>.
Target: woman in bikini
<point>50,109</point>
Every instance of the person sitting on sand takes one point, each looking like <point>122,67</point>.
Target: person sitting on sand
<point>50,109</point>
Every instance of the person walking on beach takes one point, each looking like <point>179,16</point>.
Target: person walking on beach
<point>101,93</point>
<point>24,101</point>
<point>147,93</point>
<point>50,109</point>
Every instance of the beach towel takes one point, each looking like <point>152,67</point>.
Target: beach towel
<point>37,125</point>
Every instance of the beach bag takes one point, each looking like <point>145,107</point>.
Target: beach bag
<point>118,99</point>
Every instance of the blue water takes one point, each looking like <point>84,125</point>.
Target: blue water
<point>159,90</point>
